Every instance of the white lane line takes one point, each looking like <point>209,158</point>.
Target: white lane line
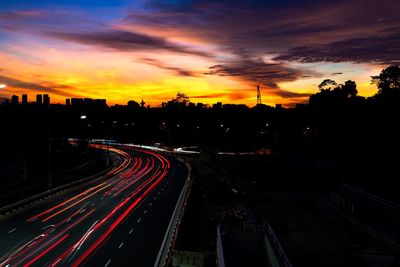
<point>158,192</point>
<point>155,198</point>
<point>13,230</point>
<point>82,211</point>
<point>101,198</point>
<point>139,219</point>
<point>34,242</point>
<point>51,225</point>
<point>92,204</point>
<point>58,260</point>
<point>120,245</point>
<point>108,263</point>
<point>145,211</point>
<point>130,232</point>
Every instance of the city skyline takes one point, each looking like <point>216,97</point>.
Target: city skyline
<point>211,51</point>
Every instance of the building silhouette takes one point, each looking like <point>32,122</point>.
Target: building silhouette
<point>78,102</point>
<point>4,100</point>
<point>39,99</point>
<point>24,99</point>
<point>46,100</point>
<point>14,100</point>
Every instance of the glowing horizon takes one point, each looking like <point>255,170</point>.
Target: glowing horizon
<point>212,52</point>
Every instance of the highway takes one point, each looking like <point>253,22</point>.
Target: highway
<point>118,219</point>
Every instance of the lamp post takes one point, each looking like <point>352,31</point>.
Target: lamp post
<point>50,180</point>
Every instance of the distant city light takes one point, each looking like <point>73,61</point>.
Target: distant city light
<point>3,86</point>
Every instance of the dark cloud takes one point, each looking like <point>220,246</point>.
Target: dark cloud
<point>176,70</point>
<point>375,49</point>
<point>267,74</point>
<point>125,41</point>
<point>49,88</point>
<point>263,26</point>
<point>84,29</point>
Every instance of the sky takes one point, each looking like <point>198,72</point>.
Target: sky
<point>213,51</point>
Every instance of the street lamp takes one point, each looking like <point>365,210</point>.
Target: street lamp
<point>50,179</point>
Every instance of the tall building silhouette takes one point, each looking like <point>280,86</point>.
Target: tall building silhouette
<point>24,99</point>
<point>46,100</point>
<point>39,99</point>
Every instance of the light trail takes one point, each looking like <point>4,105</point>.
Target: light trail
<point>138,174</point>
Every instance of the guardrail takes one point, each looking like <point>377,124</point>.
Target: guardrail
<point>172,229</point>
<point>275,253</point>
<point>6,210</point>
<point>220,249</point>
<point>378,200</point>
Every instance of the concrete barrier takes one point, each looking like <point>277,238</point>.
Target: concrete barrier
<point>168,242</point>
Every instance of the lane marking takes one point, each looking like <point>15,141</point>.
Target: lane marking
<point>120,245</point>
<point>130,232</point>
<point>108,263</point>
<point>151,204</point>
<point>13,230</point>
<point>34,242</point>
<point>92,204</point>
<point>155,198</point>
<point>145,211</point>
<point>51,225</point>
<point>139,220</point>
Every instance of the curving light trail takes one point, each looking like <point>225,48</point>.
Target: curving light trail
<point>103,206</point>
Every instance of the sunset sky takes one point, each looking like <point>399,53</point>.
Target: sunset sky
<point>210,50</point>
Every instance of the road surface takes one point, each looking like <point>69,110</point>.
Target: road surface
<point>117,220</point>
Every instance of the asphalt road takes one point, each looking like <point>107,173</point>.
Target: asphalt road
<point>117,220</point>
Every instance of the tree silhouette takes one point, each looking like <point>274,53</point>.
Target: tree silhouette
<point>388,80</point>
<point>327,84</point>
<point>349,88</point>
<point>333,95</point>
<point>181,98</point>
